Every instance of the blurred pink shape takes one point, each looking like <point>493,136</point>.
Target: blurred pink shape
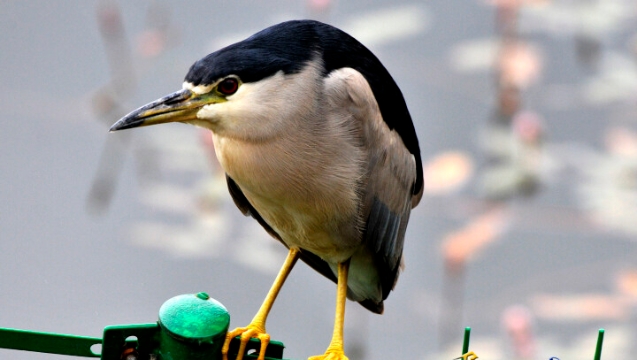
<point>319,5</point>
<point>528,126</point>
<point>519,65</point>
<point>621,141</point>
<point>447,172</point>
<point>626,283</point>
<point>109,19</point>
<point>460,245</point>
<point>151,43</point>
<point>517,321</point>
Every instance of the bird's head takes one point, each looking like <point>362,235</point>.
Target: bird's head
<point>255,81</point>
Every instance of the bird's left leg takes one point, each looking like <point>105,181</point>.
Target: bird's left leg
<point>335,349</point>
<point>256,328</point>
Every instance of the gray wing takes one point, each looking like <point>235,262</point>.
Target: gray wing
<point>390,174</point>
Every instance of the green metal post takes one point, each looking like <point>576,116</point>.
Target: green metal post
<point>598,348</point>
<point>192,327</point>
<point>465,342</point>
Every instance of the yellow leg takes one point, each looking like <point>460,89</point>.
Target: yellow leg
<point>256,328</point>
<point>335,350</point>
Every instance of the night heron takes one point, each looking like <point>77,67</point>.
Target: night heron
<point>318,146</point>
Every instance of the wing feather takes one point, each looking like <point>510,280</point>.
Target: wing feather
<point>387,190</point>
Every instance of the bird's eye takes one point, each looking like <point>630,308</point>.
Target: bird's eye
<point>228,86</point>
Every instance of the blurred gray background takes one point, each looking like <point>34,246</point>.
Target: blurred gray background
<point>525,111</point>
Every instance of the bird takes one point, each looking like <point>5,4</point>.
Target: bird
<point>318,146</point>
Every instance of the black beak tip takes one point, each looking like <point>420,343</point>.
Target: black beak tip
<point>114,128</point>
<point>117,126</point>
<point>126,123</point>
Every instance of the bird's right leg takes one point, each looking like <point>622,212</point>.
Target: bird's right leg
<point>256,328</point>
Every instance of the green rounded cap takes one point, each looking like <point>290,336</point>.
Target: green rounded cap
<point>194,318</point>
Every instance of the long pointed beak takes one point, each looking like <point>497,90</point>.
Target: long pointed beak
<point>179,106</point>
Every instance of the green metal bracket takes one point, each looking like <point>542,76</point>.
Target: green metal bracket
<point>190,327</point>
<point>139,340</point>
<point>48,342</point>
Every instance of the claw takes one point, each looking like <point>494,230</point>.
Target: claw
<point>246,333</point>
<point>468,356</point>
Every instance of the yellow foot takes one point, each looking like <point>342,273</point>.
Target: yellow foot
<point>248,332</point>
<point>468,356</point>
<point>330,355</point>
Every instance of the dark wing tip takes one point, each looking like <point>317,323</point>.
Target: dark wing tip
<point>376,308</point>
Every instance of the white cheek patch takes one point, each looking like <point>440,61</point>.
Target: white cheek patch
<point>208,112</point>
<point>199,89</point>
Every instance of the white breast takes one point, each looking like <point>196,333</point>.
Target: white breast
<point>303,184</point>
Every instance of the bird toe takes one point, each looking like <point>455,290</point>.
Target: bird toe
<point>245,334</point>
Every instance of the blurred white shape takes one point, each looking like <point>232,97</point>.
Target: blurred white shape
<point>257,249</point>
<point>609,193</point>
<point>201,238</point>
<point>501,182</point>
<point>174,136</point>
<point>204,233</point>
<point>608,190</point>
<point>474,55</point>
<point>594,18</point>
<point>384,26</point>
<point>516,161</point>
<point>168,198</point>
<point>617,81</point>
<point>179,148</point>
